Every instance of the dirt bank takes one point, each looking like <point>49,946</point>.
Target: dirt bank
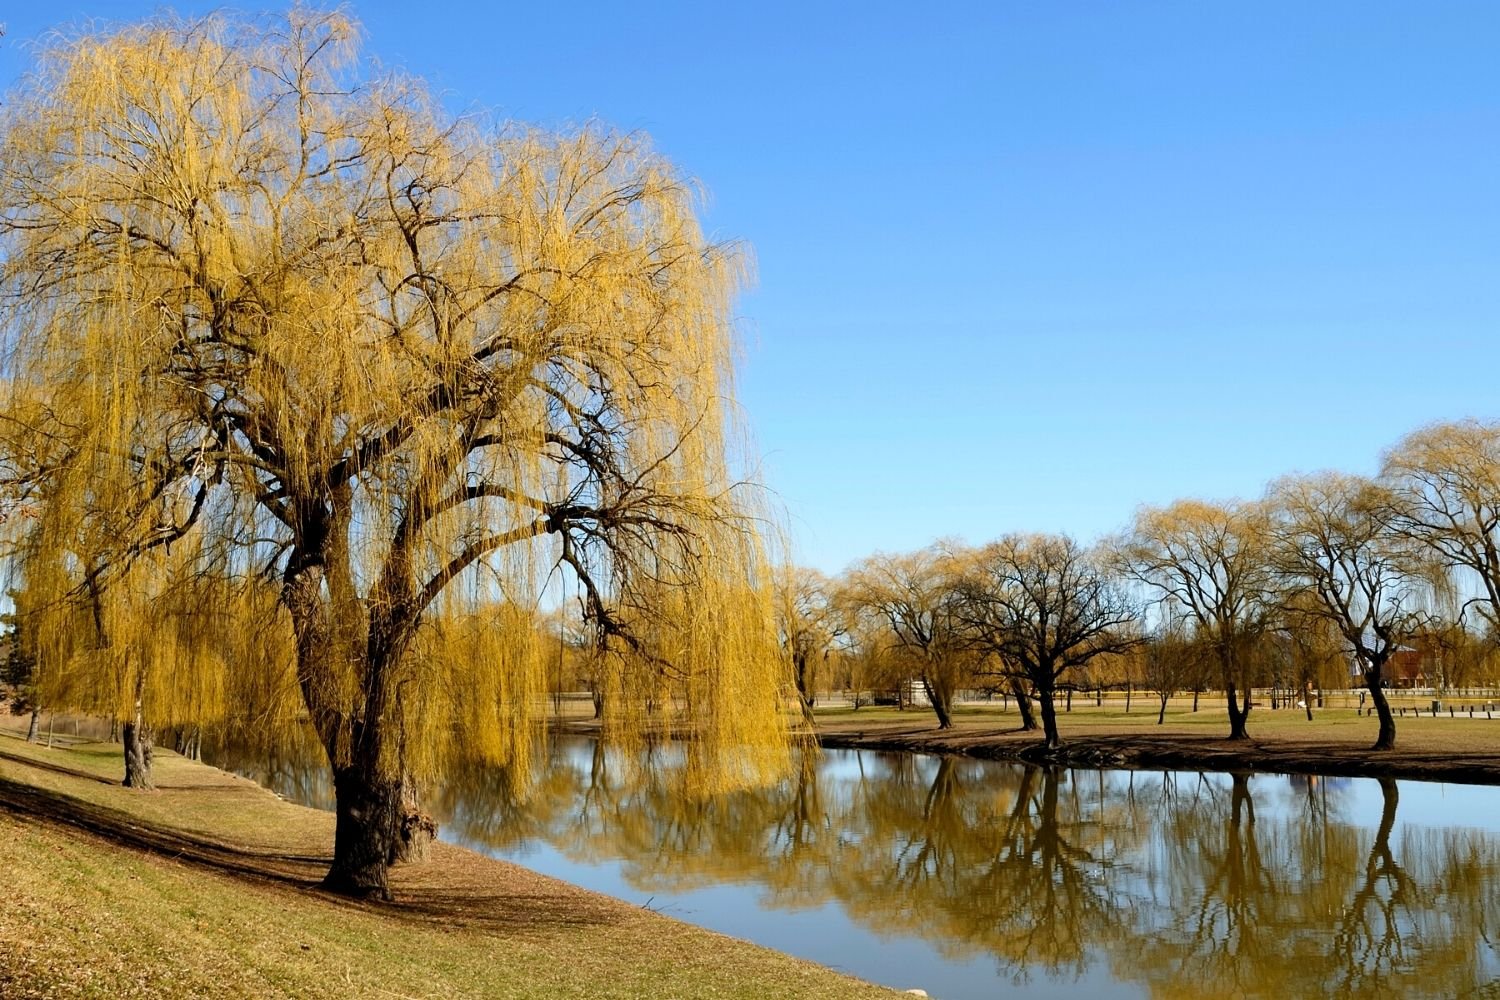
<point>1441,749</point>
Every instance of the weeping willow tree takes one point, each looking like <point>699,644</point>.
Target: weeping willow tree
<point>1342,564</point>
<point>1211,561</point>
<point>276,325</point>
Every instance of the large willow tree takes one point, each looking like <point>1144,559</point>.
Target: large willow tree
<point>276,325</point>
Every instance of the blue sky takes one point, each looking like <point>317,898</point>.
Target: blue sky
<point>1023,266</point>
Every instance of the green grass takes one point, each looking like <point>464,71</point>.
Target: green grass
<point>207,888</point>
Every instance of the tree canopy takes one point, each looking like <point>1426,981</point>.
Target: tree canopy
<point>287,341</point>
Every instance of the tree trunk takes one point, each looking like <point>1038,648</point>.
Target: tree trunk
<point>1195,699</point>
<point>138,755</point>
<point>941,703</point>
<point>1242,806</point>
<point>193,743</point>
<point>1237,715</point>
<point>807,712</point>
<point>416,829</point>
<point>1380,851</point>
<point>1049,718</point>
<point>367,788</point>
<point>1023,704</point>
<point>800,673</point>
<point>1387,736</point>
<point>365,831</point>
<point>31,729</point>
<point>1127,697</point>
<point>1161,716</point>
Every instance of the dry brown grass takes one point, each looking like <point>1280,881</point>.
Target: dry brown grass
<point>207,887</point>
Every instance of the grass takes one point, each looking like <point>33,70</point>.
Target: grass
<point>1334,724</point>
<point>207,887</point>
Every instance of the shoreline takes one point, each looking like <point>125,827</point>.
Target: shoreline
<point>1183,754</point>
<point>1459,751</point>
<point>208,886</point>
<point>1134,747</point>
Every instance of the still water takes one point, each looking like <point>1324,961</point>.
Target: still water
<point>979,879</point>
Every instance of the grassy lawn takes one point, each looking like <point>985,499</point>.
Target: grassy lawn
<point>206,887</point>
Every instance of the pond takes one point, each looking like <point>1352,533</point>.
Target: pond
<point>971,878</point>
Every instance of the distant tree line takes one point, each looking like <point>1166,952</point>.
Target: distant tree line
<point>1322,580</point>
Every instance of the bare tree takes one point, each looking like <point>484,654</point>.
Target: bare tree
<point>1045,604</point>
<point>1169,661</point>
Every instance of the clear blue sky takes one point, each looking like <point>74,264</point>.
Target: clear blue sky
<point>1023,266</point>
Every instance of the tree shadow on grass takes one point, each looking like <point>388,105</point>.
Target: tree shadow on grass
<point>124,829</point>
<point>54,768</point>
<point>457,890</point>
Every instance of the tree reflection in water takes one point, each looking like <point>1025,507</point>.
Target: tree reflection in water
<point>1309,905</point>
<point>1185,884</point>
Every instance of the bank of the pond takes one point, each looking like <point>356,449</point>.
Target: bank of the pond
<point>207,887</point>
<point>1335,743</point>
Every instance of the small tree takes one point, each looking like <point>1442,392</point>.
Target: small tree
<point>1045,604</point>
<point>1209,560</point>
<point>809,623</point>
<point>913,595</point>
<point>1169,662</point>
<point>866,659</point>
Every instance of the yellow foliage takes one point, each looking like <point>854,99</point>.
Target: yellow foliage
<point>316,386</point>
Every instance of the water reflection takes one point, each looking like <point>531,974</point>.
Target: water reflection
<point>1171,884</point>
<point>1304,903</point>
